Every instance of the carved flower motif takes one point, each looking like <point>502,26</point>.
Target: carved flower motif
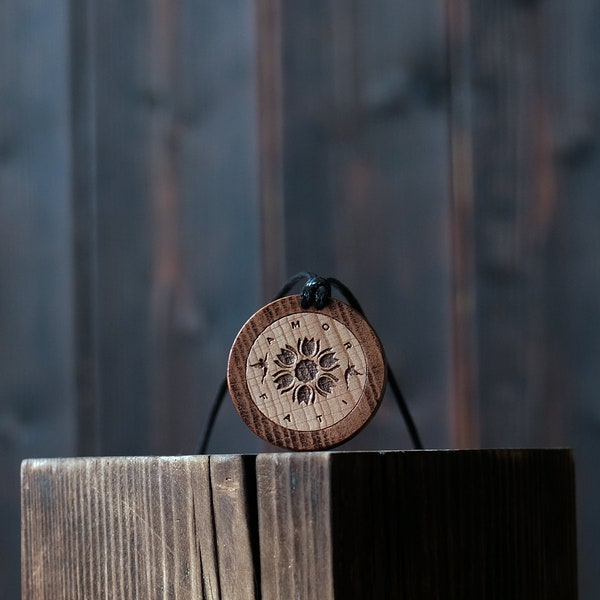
<point>305,370</point>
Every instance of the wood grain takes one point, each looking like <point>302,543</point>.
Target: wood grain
<point>294,507</point>
<point>234,508</point>
<point>428,525</point>
<point>110,528</point>
<point>507,175</point>
<point>134,528</point>
<point>492,524</point>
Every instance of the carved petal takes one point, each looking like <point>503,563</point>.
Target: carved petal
<point>305,394</point>
<point>309,347</point>
<point>328,360</point>
<point>283,380</point>
<point>288,356</point>
<point>325,384</point>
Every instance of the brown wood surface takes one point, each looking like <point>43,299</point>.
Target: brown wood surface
<point>464,417</point>
<point>463,524</point>
<point>269,67</point>
<point>294,508</point>
<point>136,528</point>
<point>491,524</point>
<point>115,528</point>
<point>517,226</point>
<point>234,512</point>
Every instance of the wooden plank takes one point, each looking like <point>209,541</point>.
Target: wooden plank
<point>219,282</point>
<point>120,528</point>
<point>181,527</point>
<point>234,507</point>
<point>453,524</point>
<point>123,225</point>
<point>524,87</point>
<point>219,219</point>
<point>509,99</point>
<point>365,181</point>
<point>572,51</point>
<point>430,524</point>
<point>177,263</point>
<point>465,400</point>
<point>37,400</point>
<point>294,507</point>
<point>84,223</point>
<point>270,138</point>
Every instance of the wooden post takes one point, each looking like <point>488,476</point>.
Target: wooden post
<point>417,524</point>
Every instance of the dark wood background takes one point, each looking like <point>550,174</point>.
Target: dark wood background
<point>165,165</point>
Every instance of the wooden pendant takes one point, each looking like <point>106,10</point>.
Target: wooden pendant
<point>306,379</point>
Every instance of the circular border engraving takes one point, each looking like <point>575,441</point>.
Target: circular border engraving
<point>306,379</point>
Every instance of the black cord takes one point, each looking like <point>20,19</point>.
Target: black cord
<point>317,291</point>
<point>213,417</point>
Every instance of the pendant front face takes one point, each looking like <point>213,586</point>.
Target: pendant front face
<point>306,379</point>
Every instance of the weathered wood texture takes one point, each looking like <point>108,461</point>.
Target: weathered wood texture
<point>463,524</point>
<point>136,528</point>
<point>452,524</point>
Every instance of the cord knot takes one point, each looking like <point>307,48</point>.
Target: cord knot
<point>317,291</point>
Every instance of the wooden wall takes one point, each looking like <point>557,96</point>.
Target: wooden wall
<point>166,164</point>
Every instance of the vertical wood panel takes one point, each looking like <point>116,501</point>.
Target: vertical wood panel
<point>219,226</point>
<point>270,142</point>
<point>516,217</point>
<point>576,96</point>
<point>365,179</point>
<point>503,109</point>
<point>532,75</point>
<point>233,485</point>
<point>177,216</point>
<point>36,370</point>
<point>84,222</point>
<point>123,225</point>
<point>135,539</point>
<point>294,508</point>
<point>464,416</point>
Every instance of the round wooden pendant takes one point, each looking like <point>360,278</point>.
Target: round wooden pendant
<point>306,379</point>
